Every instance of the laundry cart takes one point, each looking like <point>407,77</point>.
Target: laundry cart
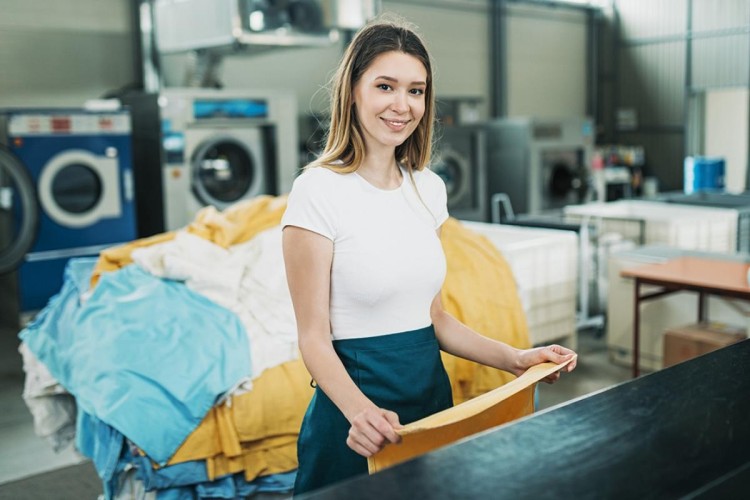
<point>735,201</point>
<point>545,267</point>
<point>709,229</point>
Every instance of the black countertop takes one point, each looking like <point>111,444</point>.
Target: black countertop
<point>679,432</point>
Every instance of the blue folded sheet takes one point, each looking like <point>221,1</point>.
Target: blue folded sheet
<point>147,356</point>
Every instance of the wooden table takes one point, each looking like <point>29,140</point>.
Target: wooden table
<point>697,274</point>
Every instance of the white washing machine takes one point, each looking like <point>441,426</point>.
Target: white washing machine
<point>221,147</point>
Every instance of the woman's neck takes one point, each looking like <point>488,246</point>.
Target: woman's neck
<point>381,170</point>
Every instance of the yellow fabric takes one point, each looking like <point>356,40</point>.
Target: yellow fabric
<point>257,432</point>
<point>115,258</point>
<point>271,457</point>
<point>236,224</point>
<point>479,291</point>
<point>504,404</point>
<point>240,222</point>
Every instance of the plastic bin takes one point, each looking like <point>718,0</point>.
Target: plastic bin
<point>653,223</point>
<point>545,266</point>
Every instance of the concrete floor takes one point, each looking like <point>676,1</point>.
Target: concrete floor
<point>23,454</point>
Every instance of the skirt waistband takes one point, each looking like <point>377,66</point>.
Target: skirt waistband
<point>390,340</point>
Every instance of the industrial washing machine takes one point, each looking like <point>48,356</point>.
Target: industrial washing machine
<point>77,167</point>
<point>459,158</point>
<point>211,147</point>
<point>541,164</point>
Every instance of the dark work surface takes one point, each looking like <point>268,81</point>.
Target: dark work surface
<point>680,432</point>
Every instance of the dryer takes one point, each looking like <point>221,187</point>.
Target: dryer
<point>541,164</point>
<point>459,158</point>
<point>220,147</point>
<point>79,165</point>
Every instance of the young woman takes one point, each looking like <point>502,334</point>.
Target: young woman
<point>365,265</point>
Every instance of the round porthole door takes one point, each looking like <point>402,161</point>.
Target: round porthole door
<point>78,188</point>
<point>19,213</point>
<point>453,169</point>
<point>564,178</point>
<point>224,171</point>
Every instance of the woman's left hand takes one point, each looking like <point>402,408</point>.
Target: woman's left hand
<point>555,353</point>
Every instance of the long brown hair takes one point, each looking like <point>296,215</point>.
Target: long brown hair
<point>345,144</point>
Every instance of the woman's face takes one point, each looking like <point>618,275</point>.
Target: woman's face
<point>390,99</point>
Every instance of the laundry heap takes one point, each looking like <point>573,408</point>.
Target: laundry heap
<point>172,361</point>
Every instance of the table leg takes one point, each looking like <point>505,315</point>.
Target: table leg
<point>701,307</point>
<point>636,326</point>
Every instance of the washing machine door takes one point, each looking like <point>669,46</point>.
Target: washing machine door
<point>453,168</point>
<point>565,180</point>
<point>19,214</point>
<point>224,171</point>
<point>77,188</point>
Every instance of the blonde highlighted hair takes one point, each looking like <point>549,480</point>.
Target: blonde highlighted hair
<point>345,145</point>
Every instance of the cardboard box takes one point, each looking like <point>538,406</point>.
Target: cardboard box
<point>689,341</point>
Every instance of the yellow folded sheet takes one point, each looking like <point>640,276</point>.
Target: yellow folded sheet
<point>502,405</point>
<point>272,409</point>
<point>272,456</point>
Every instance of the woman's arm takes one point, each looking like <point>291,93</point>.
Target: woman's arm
<point>460,340</point>
<point>307,258</point>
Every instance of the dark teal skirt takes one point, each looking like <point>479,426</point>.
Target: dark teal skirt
<point>401,372</point>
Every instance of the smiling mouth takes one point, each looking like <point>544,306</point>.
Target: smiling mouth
<point>396,124</point>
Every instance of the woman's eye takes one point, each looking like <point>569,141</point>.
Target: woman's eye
<point>384,86</point>
<point>417,91</point>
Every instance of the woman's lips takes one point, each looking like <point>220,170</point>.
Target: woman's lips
<point>396,125</point>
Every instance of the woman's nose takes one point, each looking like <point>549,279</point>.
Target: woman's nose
<point>400,103</point>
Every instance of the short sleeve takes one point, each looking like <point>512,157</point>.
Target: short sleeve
<point>310,205</point>
<point>439,207</point>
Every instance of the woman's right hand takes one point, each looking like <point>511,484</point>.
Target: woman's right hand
<point>371,430</point>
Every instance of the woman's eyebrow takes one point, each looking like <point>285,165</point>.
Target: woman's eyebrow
<point>395,80</point>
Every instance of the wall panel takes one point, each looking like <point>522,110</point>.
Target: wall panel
<point>65,52</point>
<point>709,15</point>
<point>652,80</point>
<point>652,18</point>
<point>546,62</point>
<point>722,61</point>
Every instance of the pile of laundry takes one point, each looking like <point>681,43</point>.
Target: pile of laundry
<point>172,362</point>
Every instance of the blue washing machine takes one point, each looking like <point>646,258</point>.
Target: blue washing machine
<point>79,166</point>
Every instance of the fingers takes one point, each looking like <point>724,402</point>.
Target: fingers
<point>371,430</point>
<point>556,354</point>
<point>559,354</point>
<point>572,365</point>
<point>393,424</point>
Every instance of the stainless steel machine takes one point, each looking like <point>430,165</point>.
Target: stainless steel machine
<point>237,25</point>
<point>195,147</point>
<point>541,164</point>
<point>459,158</point>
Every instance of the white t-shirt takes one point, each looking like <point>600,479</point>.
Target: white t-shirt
<point>388,263</point>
